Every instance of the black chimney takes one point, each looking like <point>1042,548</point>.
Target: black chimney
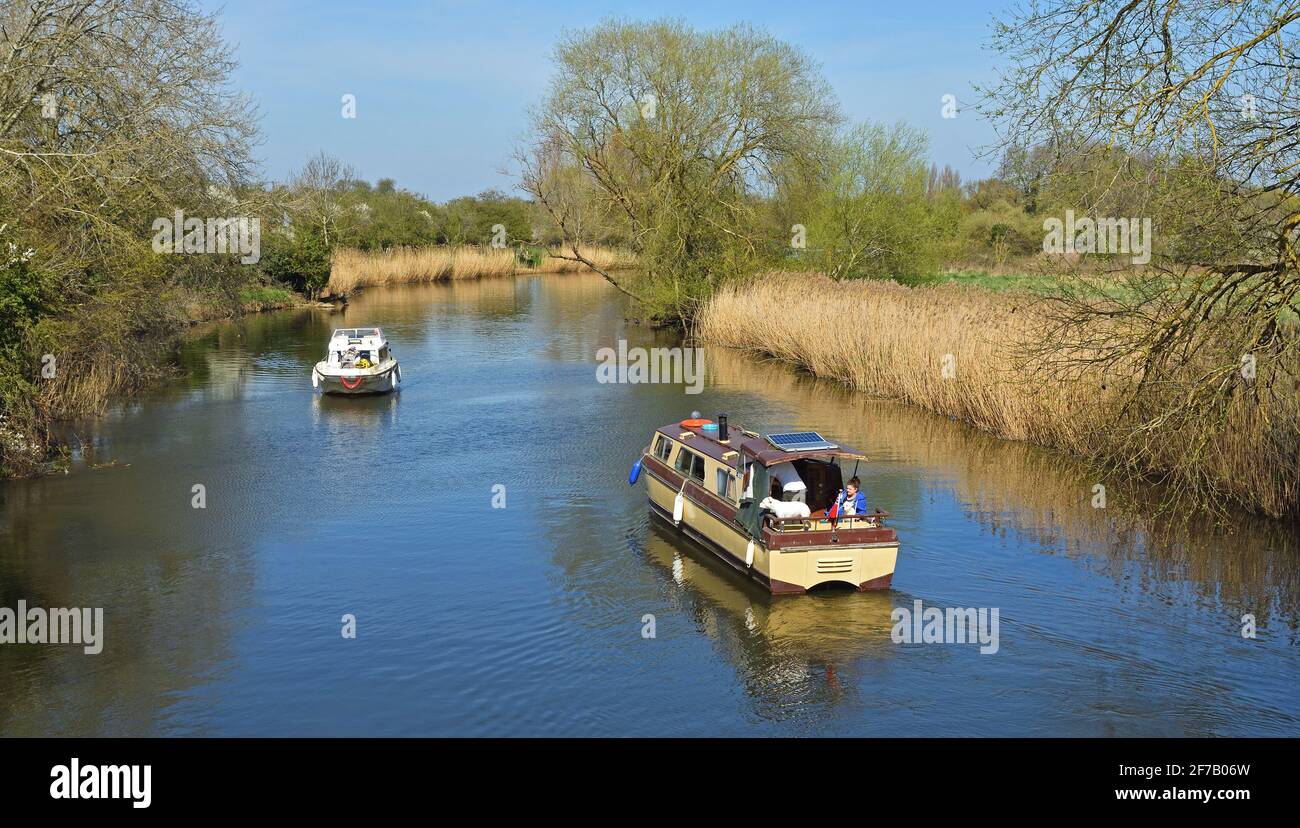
<point>722,428</point>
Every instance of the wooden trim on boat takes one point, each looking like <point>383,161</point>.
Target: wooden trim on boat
<point>714,505</point>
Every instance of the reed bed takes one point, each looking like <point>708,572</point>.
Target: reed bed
<point>606,258</point>
<point>959,351</point>
<point>354,269</point>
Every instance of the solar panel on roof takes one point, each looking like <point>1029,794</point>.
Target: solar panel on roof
<point>800,441</point>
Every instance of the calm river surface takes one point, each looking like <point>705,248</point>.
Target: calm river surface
<point>528,620</point>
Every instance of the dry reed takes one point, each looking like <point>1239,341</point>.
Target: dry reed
<point>354,269</point>
<point>958,351</point>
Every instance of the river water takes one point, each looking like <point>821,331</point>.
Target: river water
<point>529,619</point>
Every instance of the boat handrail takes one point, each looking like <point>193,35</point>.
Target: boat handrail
<point>871,520</point>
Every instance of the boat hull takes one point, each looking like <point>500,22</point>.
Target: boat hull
<point>785,566</point>
<point>380,382</point>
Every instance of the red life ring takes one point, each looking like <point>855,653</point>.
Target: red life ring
<point>694,423</point>
<point>344,380</point>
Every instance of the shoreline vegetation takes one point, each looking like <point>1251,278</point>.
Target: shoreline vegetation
<point>353,269</point>
<point>197,309</point>
<point>99,378</point>
<point>970,353</point>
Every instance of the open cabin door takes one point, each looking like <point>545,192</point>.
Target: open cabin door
<point>824,479</point>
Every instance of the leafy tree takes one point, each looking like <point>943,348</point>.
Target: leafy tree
<point>675,131</point>
<point>113,113</point>
<point>872,216</point>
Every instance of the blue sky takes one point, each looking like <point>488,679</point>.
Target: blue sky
<point>442,88</point>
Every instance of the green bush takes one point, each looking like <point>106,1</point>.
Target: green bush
<point>24,298</point>
<point>301,260</point>
<point>530,255</point>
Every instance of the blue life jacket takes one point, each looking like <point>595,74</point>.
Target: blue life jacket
<point>859,502</point>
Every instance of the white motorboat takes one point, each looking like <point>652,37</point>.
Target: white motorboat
<point>360,361</point>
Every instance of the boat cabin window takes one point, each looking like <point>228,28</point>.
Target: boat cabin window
<point>663,447</point>
<point>725,483</point>
<point>688,462</point>
<point>747,482</point>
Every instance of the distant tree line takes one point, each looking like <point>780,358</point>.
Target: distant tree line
<point>324,206</point>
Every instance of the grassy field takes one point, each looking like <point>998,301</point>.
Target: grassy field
<point>1032,282</point>
<point>958,350</point>
<point>354,269</point>
<point>1026,280</point>
<point>267,295</point>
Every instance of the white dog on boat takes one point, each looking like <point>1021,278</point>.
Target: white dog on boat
<point>783,509</point>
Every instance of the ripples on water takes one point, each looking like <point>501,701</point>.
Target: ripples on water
<point>528,620</point>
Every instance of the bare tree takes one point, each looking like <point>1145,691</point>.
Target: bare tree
<point>1197,104</point>
<point>319,195</point>
<point>112,111</point>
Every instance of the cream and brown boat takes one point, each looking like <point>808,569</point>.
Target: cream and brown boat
<point>718,484</point>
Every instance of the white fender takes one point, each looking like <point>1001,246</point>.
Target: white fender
<point>679,503</point>
<point>392,379</point>
<point>315,379</point>
<point>749,554</point>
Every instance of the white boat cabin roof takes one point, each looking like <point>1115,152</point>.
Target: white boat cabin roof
<point>360,337</point>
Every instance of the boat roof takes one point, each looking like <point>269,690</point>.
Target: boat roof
<point>756,446</point>
<point>358,334</point>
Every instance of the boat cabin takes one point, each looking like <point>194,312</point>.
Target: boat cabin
<point>357,348</point>
<point>741,468</point>
<point>761,504</point>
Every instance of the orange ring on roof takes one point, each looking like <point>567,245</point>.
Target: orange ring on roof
<point>694,423</point>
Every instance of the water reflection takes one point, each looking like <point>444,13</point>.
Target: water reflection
<point>356,412</point>
<point>788,653</point>
<point>95,539</point>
